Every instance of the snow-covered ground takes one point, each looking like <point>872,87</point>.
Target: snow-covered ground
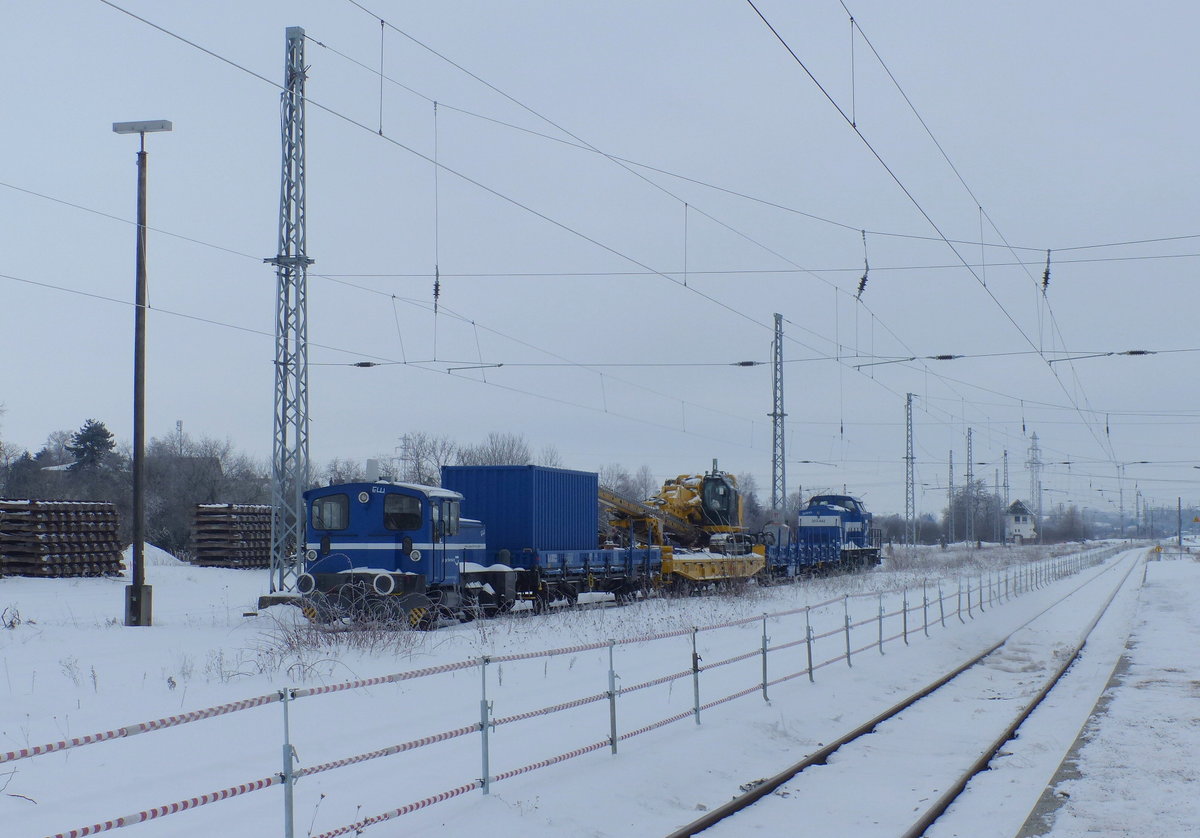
<point>70,668</point>
<point>1136,769</point>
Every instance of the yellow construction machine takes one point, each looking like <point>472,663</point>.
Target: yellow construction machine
<point>702,515</point>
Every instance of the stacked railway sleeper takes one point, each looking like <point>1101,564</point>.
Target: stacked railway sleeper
<point>231,535</point>
<point>58,538</point>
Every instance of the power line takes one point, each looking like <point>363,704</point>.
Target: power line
<point>591,147</point>
<point>378,360</point>
<point>564,274</point>
<point>468,179</point>
<point>978,203</point>
<point>917,204</point>
<point>483,187</point>
<point>584,146</point>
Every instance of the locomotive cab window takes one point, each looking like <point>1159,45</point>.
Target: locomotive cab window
<point>331,512</point>
<point>401,512</point>
<point>445,517</point>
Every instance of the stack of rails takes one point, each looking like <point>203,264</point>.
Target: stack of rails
<point>231,535</point>
<point>58,538</point>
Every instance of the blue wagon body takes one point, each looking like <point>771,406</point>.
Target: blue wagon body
<point>528,508</point>
<point>543,519</point>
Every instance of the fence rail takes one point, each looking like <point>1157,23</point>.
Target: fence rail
<point>1016,580</point>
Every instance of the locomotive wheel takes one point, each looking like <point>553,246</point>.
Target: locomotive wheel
<point>429,618</point>
<point>318,608</point>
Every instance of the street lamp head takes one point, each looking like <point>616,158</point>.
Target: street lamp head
<point>144,127</point>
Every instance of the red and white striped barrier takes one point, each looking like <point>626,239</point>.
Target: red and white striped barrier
<point>171,808</point>
<point>734,659</point>
<point>549,653</point>
<point>533,766</point>
<point>655,725</point>
<point>140,727</point>
<point>546,711</point>
<point>358,826</point>
<point>742,694</point>
<point>385,679</point>
<point>393,749</point>
<point>655,682</point>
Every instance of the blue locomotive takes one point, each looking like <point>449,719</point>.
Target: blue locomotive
<point>831,531</point>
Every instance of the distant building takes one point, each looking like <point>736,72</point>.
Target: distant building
<point>1019,525</point>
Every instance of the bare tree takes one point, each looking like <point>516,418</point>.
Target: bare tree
<point>616,478</point>
<point>423,455</point>
<point>644,483</point>
<point>753,514</point>
<point>8,454</point>
<point>342,471</point>
<point>54,452</point>
<point>499,449</point>
<point>182,472</point>
<point>550,457</point>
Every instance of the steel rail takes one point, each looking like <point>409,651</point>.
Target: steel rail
<point>980,765</point>
<point>819,757</point>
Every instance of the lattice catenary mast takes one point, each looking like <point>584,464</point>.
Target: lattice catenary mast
<point>970,489</point>
<point>950,502</point>
<point>778,467</point>
<point>289,463</point>
<point>910,493</point>
<point>1035,481</point>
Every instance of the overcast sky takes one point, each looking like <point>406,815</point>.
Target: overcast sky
<point>1069,124</point>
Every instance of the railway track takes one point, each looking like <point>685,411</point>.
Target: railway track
<point>897,773</point>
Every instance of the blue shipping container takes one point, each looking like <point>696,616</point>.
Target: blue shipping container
<point>530,507</point>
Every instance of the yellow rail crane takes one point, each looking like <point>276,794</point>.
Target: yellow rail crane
<point>702,514</point>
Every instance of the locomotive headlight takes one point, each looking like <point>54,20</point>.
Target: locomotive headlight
<point>415,555</point>
<point>363,497</point>
<point>310,554</point>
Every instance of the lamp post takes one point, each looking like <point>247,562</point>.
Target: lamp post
<point>138,594</point>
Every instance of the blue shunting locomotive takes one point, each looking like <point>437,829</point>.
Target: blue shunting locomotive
<point>831,530</point>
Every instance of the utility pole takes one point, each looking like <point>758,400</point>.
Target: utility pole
<point>289,464</point>
<point>997,535</point>
<point>778,465</point>
<point>139,595</point>
<point>1035,481</point>
<point>1121,495</point>
<point>910,493</point>
<point>970,490</point>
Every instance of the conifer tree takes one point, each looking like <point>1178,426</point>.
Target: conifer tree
<point>90,445</point>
